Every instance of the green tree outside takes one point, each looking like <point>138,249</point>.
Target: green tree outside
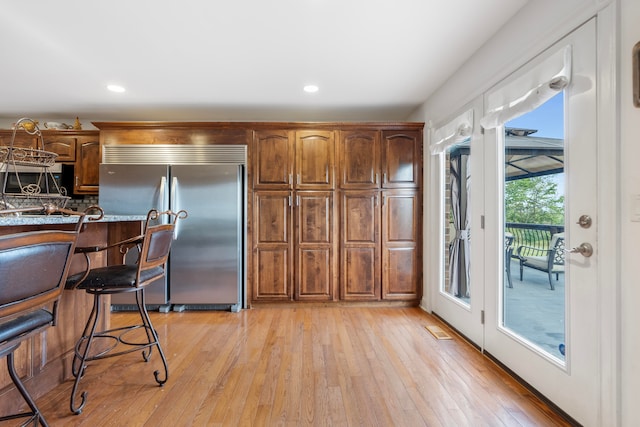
<point>534,201</point>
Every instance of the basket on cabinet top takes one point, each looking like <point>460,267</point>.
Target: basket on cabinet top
<point>45,190</point>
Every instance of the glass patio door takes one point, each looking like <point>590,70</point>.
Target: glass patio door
<point>456,151</point>
<point>541,319</point>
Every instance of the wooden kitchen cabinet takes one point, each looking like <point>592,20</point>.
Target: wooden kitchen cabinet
<point>64,145</point>
<point>355,213</point>
<point>301,160</point>
<point>298,265</point>
<point>272,246</point>
<point>401,231</point>
<point>314,167</point>
<point>273,159</point>
<point>379,252</point>
<point>78,147</point>
<point>380,159</point>
<point>315,263</point>
<point>87,165</point>
<point>360,266</point>
<point>359,159</point>
<point>401,158</point>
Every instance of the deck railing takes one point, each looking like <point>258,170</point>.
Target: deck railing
<point>535,235</point>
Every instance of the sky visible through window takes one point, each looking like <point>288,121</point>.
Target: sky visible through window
<point>548,119</point>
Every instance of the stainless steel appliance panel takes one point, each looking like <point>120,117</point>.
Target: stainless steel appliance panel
<point>133,190</point>
<point>205,260</point>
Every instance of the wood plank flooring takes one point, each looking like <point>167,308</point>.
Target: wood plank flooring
<point>297,366</point>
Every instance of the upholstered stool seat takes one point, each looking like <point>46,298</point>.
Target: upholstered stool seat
<point>113,279</point>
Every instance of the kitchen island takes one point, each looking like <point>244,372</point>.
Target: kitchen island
<point>44,361</point>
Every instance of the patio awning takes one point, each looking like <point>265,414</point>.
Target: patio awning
<point>526,156</point>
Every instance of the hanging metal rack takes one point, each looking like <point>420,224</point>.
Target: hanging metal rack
<point>45,191</point>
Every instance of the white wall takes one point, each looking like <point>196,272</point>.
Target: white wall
<point>536,27</point>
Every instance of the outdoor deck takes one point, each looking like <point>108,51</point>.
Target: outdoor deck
<point>533,310</point>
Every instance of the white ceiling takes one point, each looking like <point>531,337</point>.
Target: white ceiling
<point>235,59</point>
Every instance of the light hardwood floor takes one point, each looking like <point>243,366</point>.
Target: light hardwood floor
<point>322,366</point>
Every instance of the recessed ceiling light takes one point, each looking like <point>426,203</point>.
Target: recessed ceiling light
<point>311,88</point>
<point>115,88</point>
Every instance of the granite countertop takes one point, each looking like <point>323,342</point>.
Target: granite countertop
<point>59,219</point>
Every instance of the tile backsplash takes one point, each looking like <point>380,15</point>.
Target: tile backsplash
<point>81,204</point>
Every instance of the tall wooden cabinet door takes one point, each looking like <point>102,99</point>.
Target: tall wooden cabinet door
<point>315,160</point>
<point>273,159</point>
<point>359,159</point>
<point>360,246</point>
<point>87,166</point>
<point>401,159</point>
<point>272,244</point>
<point>315,263</point>
<point>400,245</point>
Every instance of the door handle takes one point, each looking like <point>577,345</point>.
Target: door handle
<point>585,249</point>
<point>174,202</point>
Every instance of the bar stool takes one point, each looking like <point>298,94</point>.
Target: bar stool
<point>33,272</point>
<point>154,246</point>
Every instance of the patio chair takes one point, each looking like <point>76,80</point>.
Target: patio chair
<point>549,260</point>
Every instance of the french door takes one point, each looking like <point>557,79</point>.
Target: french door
<point>458,258</point>
<point>544,326</point>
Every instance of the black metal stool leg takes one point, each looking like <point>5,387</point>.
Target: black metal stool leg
<point>82,358</point>
<point>152,336</point>
<point>35,414</point>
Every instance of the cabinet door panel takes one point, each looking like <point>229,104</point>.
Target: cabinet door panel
<point>315,160</point>
<point>314,268</point>
<point>272,160</point>
<point>359,159</point>
<point>272,219</point>
<point>400,244</point>
<point>272,273</point>
<point>400,278</point>
<point>360,250</point>
<point>272,243</point>
<point>87,167</point>
<point>401,159</point>
<point>315,262</point>
<point>63,146</point>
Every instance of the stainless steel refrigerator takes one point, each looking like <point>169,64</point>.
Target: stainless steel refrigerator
<point>206,260</point>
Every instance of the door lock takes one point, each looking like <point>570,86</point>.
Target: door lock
<point>584,221</point>
<point>585,249</point>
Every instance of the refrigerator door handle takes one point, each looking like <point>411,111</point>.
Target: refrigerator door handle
<point>163,188</point>
<point>174,204</point>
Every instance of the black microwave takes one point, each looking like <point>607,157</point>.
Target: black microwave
<point>50,180</point>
